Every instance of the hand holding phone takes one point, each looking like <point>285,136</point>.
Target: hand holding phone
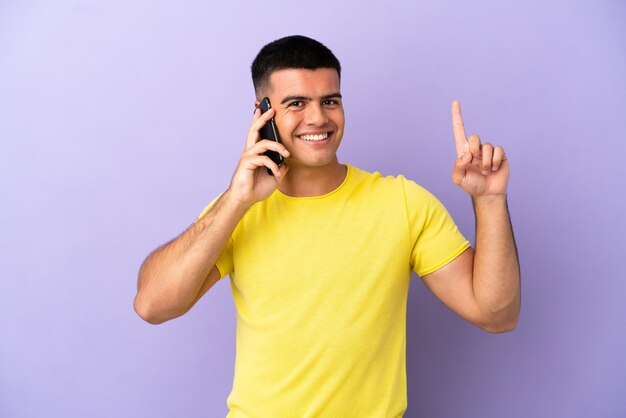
<point>268,131</point>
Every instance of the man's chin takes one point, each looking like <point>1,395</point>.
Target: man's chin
<point>312,163</point>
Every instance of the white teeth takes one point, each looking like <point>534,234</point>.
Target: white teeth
<point>314,137</point>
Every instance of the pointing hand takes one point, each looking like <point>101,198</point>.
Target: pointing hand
<point>480,169</point>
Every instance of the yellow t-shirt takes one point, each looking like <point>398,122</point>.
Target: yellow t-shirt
<point>320,287</point>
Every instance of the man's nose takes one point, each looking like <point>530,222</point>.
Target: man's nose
<point>315,115</point>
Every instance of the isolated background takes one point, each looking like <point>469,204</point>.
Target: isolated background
<point>120,120</point>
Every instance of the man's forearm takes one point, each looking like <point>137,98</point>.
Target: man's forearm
<point>496,275</point>
<point>171,277</point>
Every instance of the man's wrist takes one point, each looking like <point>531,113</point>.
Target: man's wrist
<point>489,201</point>
<point>232,202</point>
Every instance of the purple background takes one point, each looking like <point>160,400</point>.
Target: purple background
<point>120,120</point>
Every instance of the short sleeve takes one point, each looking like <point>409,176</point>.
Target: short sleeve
<point>435,237</point>
<point>224,262</point>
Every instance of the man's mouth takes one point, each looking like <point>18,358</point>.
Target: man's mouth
<point>317,137</point>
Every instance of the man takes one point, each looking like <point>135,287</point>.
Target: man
<point>320,254</point>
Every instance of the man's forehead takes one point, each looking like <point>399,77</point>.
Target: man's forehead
<point>292,81</point>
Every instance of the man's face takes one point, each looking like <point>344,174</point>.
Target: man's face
<point>309,114</point>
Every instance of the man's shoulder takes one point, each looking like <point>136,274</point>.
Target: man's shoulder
<point>394,188</point>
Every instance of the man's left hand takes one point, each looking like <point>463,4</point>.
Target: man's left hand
<point>480,169</point>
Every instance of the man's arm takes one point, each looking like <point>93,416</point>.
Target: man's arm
<point>482,285</point>
<point>172,277</point>
<point>176,275</point>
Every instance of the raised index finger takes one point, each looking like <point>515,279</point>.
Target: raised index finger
<point>459,129</point>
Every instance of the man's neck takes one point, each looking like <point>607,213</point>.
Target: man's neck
<point>302,181</point>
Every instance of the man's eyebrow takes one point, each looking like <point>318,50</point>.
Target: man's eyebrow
<point>332,96</point>
<point>290,98</point>
<point>325,97</point>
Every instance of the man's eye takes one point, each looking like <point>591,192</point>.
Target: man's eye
<point>329,102</point>
<point>296,103</point>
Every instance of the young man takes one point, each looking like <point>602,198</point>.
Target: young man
<point>320,254</point>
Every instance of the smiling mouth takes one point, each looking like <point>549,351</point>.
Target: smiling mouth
<point>319,137</point>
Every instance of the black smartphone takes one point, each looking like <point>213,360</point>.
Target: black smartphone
<point>268,131</point>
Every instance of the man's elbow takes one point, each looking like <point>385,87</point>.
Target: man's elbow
<point>501,328</point>
<point>147,311</point>
<point>500,325</point>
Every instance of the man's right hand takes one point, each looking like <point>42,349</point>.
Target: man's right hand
<point>251,182</point>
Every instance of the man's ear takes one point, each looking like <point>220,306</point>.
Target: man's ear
<point>256,103</point>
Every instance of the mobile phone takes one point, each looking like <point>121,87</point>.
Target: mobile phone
<point>268,131</point>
